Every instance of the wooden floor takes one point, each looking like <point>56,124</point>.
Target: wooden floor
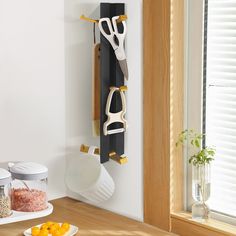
<point>91,221</point>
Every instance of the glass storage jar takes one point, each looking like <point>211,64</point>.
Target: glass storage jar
<point>5,198</point>
<point>29,186</point>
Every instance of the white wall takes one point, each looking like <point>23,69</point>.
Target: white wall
<point>32,86</point>
<point>128,199</point>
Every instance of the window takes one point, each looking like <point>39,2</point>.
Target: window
<point>212,95</point>
<point>220,97</point>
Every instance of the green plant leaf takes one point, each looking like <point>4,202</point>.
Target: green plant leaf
<point>202,156</point>
<point>197,144</point>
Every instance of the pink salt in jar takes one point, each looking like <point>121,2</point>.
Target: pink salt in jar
<point>29,187</point>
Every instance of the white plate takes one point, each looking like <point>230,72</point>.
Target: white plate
<point>73,231</point>
<point>20,216</point>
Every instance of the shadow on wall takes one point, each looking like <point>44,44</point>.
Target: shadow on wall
<point>78,74</point>
<point>78,51</point>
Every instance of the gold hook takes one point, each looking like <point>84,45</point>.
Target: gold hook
<point>123,88</point>
<point>119,159</point>
<point>121,18</point>
<point>112,155</point>
<point>83,17</point>
<point>85,149</point>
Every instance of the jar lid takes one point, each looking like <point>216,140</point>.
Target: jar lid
<point>28,171</point>
<point>5,177</point>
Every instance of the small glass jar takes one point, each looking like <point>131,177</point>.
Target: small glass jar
<point>5,197</point>
<point>29,187</point>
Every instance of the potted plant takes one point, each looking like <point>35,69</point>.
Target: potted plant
<point>200,161</point>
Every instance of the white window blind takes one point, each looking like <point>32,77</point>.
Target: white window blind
<point>220,113</point>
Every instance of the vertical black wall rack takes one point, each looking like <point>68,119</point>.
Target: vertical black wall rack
<point>111,75</point>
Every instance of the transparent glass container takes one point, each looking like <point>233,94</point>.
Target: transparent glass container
<point>201,187</point>
<point>5,193</point>
<point>29,187</point>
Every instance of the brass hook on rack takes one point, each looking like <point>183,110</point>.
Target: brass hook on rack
<point>121,18</point>
<point>123,88</point>
<point>119,159</point>
<point>83,17</point>
<point>112,155</point>
<point>85,149</point>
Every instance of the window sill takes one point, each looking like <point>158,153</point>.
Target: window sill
<point>183,225</point>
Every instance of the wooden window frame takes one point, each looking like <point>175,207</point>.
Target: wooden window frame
<point>163,120</point>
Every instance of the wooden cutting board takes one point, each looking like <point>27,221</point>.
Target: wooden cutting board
<point>96,90</point>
